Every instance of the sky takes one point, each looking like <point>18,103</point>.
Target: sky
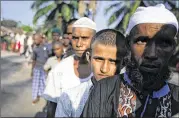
<point>21,11</point>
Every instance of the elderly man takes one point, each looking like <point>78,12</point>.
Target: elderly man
<point>71,71</point>
<point>104,63</point>
<point>143,90</point>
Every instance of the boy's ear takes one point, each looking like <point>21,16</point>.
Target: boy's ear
<point>88,56</point>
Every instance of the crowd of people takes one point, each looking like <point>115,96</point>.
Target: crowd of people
<point>85,73</point>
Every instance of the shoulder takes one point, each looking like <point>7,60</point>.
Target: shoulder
<point>52,58</point>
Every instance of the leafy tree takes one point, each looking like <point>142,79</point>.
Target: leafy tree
<point>124,10</point>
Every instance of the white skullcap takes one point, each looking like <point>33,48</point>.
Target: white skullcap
<point>85,23</point>
<point>152,14</point>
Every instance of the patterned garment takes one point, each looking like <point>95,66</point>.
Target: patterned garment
<point>130,102</point>
<point>38,82</point>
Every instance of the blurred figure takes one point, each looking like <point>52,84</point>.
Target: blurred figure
<point>56,34</point>
<point>40,56</point>
<point>54,60</point>
<point>67,39</point>
<point>29,51</point>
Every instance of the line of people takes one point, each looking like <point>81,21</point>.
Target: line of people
<point>106,73</point>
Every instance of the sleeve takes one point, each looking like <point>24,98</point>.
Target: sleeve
<point>34,54</point>
<point>63,106</point>
<point>47,65</point>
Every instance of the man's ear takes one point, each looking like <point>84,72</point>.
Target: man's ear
<point>88,56</point>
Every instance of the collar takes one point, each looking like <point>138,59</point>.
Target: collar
<point>156,94</point>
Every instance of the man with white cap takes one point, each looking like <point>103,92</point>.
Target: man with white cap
<point>73,70</point>
<point>143,90</point>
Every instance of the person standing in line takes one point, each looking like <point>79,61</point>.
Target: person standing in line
<point>72,70</point>
<point>40,56</point>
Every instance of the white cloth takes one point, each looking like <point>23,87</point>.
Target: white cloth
<point>72,101</point>
<point>152,14</point>
<point>51,63</point>
<point>85,23</point>
<point>60,78</point>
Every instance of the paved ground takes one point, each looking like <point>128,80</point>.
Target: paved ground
<point>16,88</point>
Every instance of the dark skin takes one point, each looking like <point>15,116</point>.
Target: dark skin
<point>151,49</point>
<point>38,39</point>
<point>56,36</point>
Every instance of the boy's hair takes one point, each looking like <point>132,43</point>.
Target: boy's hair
<point>57,43</point>
<point>111,37</point>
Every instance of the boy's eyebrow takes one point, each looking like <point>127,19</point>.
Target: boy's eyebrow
<point>116,60</point>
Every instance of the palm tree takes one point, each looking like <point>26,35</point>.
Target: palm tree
<point>57,12</point>
<point>126,8</point>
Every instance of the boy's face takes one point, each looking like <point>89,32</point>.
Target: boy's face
<point>66,41</point>
<point>103,61</point>
<point>55,36</point>
<point>58,50</point>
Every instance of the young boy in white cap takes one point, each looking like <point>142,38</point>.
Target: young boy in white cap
<point>143,90</point>
<point>71,71</point>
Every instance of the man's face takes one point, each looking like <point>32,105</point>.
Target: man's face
<point>58,50</point>
<point>69,32</point>
<point>38,39</point>
<point>55,36</point>
<point>66,41</point>
<point>103,61</point>
<point>151,50</point>
<point>81,40</point>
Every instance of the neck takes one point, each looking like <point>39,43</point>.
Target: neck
<point>82,70</point>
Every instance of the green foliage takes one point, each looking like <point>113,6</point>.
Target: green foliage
<point>26,28</point>
<point>127,8</point>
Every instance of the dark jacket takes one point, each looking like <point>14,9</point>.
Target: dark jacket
<point>104,99</point>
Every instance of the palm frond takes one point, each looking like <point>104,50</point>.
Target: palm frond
<point>114,16</point>
<point>111,7</point>
<point>37,4</point>
<point>43,11</point>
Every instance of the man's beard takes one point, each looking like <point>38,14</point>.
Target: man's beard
<point>144,81</point>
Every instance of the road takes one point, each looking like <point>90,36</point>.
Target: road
<point>16,88</point>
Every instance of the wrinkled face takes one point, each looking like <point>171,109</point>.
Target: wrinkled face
<point>55,36</point>
<point>69,32</point>
<point>66,41</point>
<point>103,62</point>
<point>152,49</point>
<point>58,50</point>
<point>81,39</point>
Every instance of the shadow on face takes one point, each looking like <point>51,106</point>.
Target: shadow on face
<point>152,46</point>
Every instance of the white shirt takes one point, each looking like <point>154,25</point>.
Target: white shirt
<point>51,63</point>
<point>60,78</point>
<point>72,101</point>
